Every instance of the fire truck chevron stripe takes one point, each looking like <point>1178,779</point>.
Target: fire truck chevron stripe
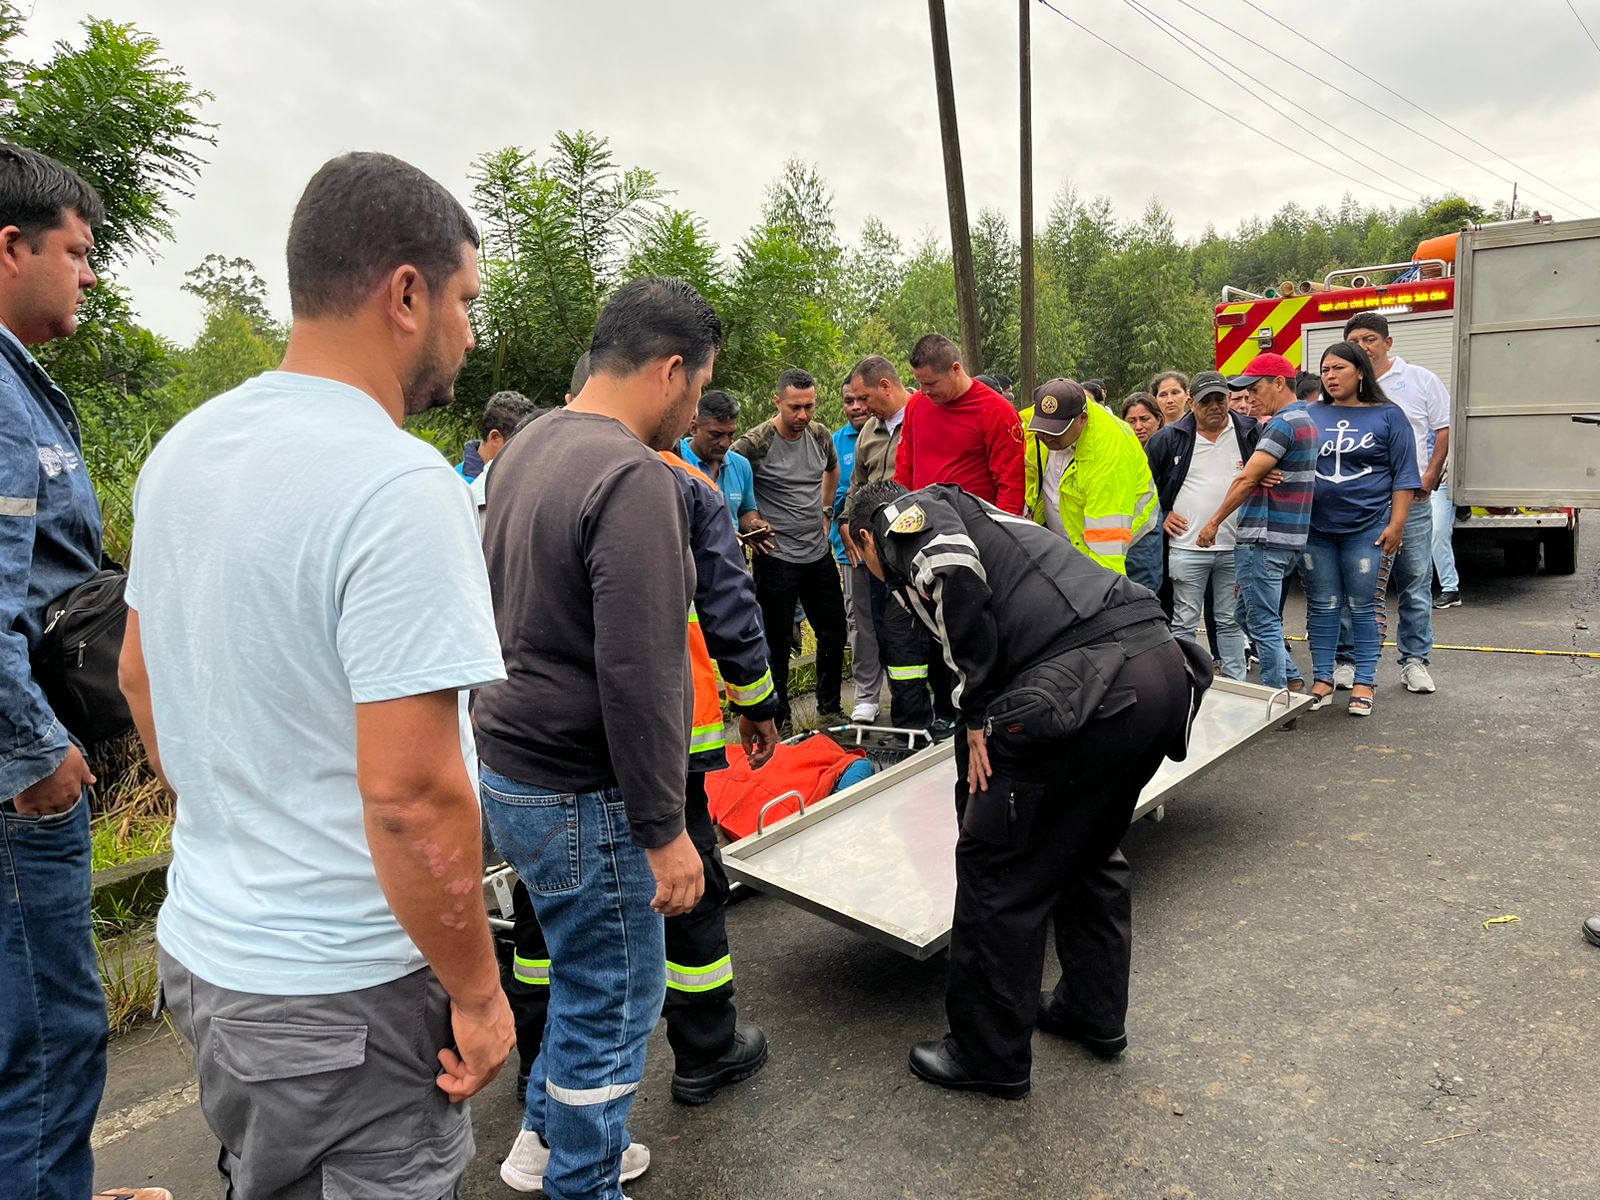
<point>1284,317</point>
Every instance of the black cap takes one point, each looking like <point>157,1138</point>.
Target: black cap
<point>1208,383</point>
<point>1056,405</point>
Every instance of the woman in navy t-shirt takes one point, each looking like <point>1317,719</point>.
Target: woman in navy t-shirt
<point>1366,479</point>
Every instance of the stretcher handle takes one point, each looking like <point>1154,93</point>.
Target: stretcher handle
<point>1272,700</point>
<point>761,817</point>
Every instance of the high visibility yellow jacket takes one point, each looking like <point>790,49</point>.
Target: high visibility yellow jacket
<point>1107,498</point>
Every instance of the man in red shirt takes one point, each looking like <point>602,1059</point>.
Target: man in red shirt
<point>959,431</point>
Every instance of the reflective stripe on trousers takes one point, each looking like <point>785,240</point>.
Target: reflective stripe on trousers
<point>903,673</point>
<point>533,971</point>
<point>700,979</point>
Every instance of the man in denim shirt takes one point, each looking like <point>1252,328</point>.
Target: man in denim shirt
<point>53,1025</point>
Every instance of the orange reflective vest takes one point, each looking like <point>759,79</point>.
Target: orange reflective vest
<point>706,731</point>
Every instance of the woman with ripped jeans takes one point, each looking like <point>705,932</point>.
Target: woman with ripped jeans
<point>1366,480</point>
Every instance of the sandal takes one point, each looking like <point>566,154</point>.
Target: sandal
<point>1359,706</point>
<point>1321,699</point>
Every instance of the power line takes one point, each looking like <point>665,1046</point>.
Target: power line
<point>1175,33</point>
<point>1372,108</point>
<point>1361,183</point>
<point>1406,99</point>
<point>1583,26</point>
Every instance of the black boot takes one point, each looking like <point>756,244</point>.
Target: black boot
<point>1051,1020</point>
<point>936,1062</point>
<point>746,1056</point>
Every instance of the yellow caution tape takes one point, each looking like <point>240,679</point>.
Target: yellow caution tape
<point>1508,919</point>
<point>1493,649</point>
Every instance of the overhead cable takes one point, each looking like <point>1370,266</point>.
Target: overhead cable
<point>1406,99</point>
<point>1361,183</point>
<point>1273,98</point>
<point>1583,25</point>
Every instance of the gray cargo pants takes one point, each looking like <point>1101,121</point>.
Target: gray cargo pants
<point>325,1097</point>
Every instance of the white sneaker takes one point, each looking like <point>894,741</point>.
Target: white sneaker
<point>864,713</point>
<point>1414,675</point>
<point>1344,676</point>
<point>524,1168</point>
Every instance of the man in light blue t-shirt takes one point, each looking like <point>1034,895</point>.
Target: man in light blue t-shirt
<point>297,659</point>
<point>711,435</point>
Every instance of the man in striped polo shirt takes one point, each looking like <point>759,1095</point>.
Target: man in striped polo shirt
<point>1275,515</point>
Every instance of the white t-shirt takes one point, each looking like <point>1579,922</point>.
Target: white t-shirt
<point>1212,470</point>
<point>479,488</point>
<point>297,555</point>
<point>1055,469</point>
<point>1421,395</point>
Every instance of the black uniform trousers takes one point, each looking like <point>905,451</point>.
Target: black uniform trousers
<point>916,668</point>
<point>699,1008</point>
<point>906,649</point>
<point>1046,845</point>
<point>817,587</point>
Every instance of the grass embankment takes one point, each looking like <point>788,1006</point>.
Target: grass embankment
<point>131,820</point>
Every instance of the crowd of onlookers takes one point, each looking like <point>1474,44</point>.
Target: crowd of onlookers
<point>1335,476</point>
<point>1347,462</point>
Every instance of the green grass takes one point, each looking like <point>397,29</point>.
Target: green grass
<point>127,839</point>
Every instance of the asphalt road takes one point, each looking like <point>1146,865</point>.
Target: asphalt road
<point>1318,1008</point>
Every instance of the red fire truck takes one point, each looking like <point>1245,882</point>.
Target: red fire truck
<point>1299,319</point>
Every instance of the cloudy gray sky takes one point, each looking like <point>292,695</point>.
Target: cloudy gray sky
<point>715,94</point>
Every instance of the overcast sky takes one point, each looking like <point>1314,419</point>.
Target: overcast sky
<point>714,95</point>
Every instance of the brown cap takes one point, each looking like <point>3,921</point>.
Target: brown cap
<point>1056,405</point>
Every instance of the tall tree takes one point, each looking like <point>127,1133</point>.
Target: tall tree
<point>996,266</point>
<point>234,283</point>
<point>556,237</point>
<point>119,114</point>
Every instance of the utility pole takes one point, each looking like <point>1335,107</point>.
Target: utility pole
<point>1029,364</point>
<point>956,191</point>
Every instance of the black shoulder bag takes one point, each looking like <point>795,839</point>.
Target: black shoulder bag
<point>75,663</point>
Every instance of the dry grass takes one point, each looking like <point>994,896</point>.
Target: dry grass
<point>132,811</point>
<point>129,976</point>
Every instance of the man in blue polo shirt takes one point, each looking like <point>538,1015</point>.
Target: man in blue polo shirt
<point>711,433</point>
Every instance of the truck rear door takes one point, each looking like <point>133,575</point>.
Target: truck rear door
<point>1527,360</point>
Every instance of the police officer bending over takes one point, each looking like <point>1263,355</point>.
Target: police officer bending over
<point>1072,691</point>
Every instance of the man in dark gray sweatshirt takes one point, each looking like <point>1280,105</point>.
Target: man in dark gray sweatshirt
<point>583,769</point>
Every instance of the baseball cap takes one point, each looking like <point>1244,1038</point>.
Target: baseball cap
<point>1208,383</point>
<point>1056,405</point>
<point>1265,366</point>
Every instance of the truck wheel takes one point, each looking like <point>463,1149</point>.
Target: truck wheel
<point>1561,552</point>
<point>1522,556</point>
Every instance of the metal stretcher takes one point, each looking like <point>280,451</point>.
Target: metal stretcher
<point>879,857</point>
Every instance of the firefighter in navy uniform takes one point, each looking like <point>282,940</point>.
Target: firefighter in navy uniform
<point>1071,690</point>
<point>725,625</point>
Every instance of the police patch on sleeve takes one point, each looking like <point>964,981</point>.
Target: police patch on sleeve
<point>910,521</point>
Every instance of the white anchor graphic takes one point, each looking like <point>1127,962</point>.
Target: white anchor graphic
<point>1341,444</point>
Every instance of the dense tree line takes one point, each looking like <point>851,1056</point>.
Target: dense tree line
<point>1118,297</point>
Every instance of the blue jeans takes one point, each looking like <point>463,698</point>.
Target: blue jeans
<point>1145,560</point>
<point>1262,571</point>
<point>1444,527</point>
<point>591,887</point>
<point>1193,572</point>
<point>1342,569</point>
<point>1413,588</point>
<point>53,1019</point>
